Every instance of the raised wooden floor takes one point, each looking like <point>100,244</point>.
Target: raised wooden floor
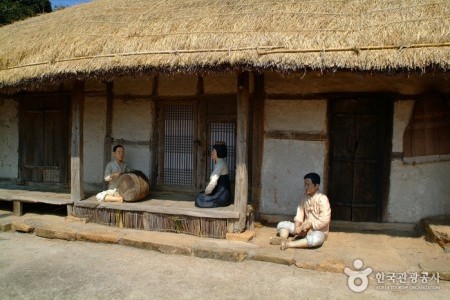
<point>20,196</point>
<point>155,213</point>
<point>161,215</point>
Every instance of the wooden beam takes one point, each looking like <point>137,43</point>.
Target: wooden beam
<point>258,139</point>
<point>241,185</point>
<point>76,161</point>
<point>295,135</point>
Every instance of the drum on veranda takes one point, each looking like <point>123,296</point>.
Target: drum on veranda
<point>132,186</point>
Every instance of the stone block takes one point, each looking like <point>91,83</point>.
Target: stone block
<point>5,226</point>
<point>240,237</point>
<point>55,233</point>
<point>274,259</point>
<point>328,265</point>
<point>219,253</point>
<point>155,246</point>
<point>441,266</point>
<point>99,236</point>
<point>22,227</point>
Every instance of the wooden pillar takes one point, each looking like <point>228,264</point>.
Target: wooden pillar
<point>258,139</point>
<point>154,144</point>
<point>17,208</point>
<point>201,139</point>
<point>76,161</point>
<point>108,130</point>
<point>241,187</point>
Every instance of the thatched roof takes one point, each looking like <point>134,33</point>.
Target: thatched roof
<point>132,36</point>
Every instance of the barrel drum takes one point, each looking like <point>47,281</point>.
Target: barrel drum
<point>132,187</point>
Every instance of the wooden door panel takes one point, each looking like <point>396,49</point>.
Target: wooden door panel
<point>357,143</point>
<point>343,137</point>
<point>342,173</point>
<point>33,129</point>
<point>366,185</point>
<point>341,212</point>
<point>364,213</point>
<point>44,132</point>
<point>367,142</point>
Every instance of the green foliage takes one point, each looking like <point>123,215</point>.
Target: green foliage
<point>14,10</point>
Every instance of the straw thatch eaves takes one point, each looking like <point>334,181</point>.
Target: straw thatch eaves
<point>119,36</point>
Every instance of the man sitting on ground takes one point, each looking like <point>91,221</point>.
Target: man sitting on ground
<point>312,221</point>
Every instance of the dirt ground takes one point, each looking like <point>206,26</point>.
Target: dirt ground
<point>38,268</point>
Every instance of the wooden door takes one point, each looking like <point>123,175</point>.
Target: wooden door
<point>358,136</point>
<point>43,139</point>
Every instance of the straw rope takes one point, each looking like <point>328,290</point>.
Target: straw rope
<point>275,51</point>
<point>356,49</point>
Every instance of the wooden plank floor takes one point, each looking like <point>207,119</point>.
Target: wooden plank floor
<point>31,196</point>
<point>163,203</point>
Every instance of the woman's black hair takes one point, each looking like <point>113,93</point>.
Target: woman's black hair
<point>315,178</point>
<point>117,146</point>
<point>221,149</point>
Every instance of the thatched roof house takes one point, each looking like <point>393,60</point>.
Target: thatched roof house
<point>355,90</point>
<point>120,36</point>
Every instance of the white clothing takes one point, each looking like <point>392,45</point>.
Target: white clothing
<point>220,168</point>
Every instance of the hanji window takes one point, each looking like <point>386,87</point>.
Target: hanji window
<point>224,132</point>
<point>428,132</point>
<point>178,144</point>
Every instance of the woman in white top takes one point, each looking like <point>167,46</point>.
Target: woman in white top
<point>217,193</point>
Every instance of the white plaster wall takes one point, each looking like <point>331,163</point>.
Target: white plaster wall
<point>9,135</point>
<point>94,126</point>
<point>132,121</point>
<point>403,111</point>
<point>295,115</point>
<point>418,191</point>
<point>285,162</point>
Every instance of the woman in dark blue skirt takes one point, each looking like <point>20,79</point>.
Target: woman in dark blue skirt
<point>218,192</point>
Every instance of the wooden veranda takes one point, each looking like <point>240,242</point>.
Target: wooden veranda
<point>158,212</point>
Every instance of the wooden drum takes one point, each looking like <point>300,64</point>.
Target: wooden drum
<point>132,187</point>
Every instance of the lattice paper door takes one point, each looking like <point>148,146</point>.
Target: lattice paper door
<point>178,144</point>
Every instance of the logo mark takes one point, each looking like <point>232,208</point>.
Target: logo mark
<point>358,274</point>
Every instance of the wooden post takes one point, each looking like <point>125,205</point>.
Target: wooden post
<point>17,208</point>
<point>258,139</point>
<point>201,137</point>
<point>241,187</point>
<point>76,161</point>
<point>154,145</point>
<point>108,130</point>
